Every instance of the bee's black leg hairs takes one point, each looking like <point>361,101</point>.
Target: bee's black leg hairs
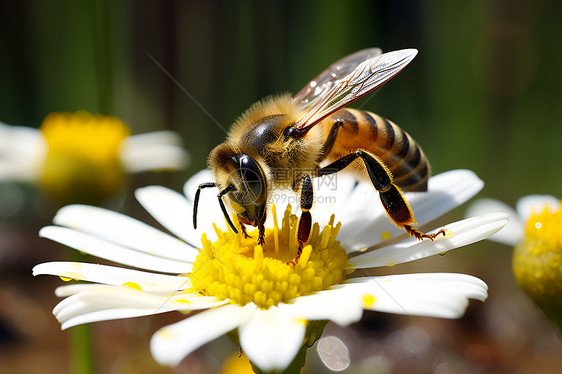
<point>394,203</point>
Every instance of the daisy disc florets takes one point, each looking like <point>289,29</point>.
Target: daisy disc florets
<point>234,267</point>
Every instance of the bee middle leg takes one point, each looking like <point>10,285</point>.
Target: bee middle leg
<point>392,199</point>
<point>305,220</point>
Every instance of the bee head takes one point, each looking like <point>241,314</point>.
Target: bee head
<point>248,194</point>
<point>251,190</point>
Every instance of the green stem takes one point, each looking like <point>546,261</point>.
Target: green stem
<point>81,350</point>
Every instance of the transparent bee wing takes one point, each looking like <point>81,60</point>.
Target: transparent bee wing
<point>347,80</point>
<point>331,75</point>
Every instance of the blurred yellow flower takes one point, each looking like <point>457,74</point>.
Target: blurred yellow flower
<point>535,231</point>
<point>82,161</point>
<point>82,157</point>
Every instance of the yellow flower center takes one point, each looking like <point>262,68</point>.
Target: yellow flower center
<point>537,262</point>
<point>82,163</point>
<point>234,267</point>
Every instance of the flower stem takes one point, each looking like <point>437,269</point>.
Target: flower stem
<point>81,352</point>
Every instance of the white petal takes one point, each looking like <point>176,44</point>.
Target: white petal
<point>171,344</point>
<point>330,194</point>
<point>336,305</point>
<point>92,297</point>
<point>102,296</point>
<point>100,302</point>
<point>181,295</point>
<point>107,315</point>
<point>359,216</point>
<point>160,150</point>
<point>465,285</point>
<point>171,209</point>
<point>339,189</point>
<point>84,304</point>
<point>441,295</point>
<point>123,230</point>
<point>534,204</point>
<point>463,233</point>
<point>111,275</point>
<point>22,152</point>
<point>15,140</point>
<point>74,288</point>
<point>164,137</point>
<point>101,248</point>
<point>20,169</point>
<point>155,158</point>
<point>512,233</point>
<point>445,192</point>
<point>272,338</point>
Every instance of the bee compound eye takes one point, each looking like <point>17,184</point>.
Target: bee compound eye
<point>252,177</point>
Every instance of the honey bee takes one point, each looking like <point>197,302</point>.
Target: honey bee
<point>310,135</point>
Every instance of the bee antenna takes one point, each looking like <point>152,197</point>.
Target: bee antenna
<point>196,201</point>
<point>221,203</point>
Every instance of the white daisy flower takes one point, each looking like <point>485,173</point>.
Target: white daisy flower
<point>84,152</point>
<point>535,233</point>
<point>276,308</point>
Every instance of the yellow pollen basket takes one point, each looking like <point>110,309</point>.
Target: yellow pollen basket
<point>537,260</point>
<point>82,162</point>
<point>235,268</point>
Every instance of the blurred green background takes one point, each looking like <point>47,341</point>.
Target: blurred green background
<point>484,93</point>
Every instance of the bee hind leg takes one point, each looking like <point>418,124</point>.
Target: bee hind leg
<point>401,214</point>
<point>393,201</point>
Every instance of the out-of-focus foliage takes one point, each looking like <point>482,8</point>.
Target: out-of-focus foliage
<point>483,92</point>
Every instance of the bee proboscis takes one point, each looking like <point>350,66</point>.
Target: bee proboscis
<point>313,135</point>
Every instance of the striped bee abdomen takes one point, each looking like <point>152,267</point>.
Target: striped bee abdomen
<point>348,130</point>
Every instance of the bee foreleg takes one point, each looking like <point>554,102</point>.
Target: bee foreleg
<point>393,201</point>
<point>243,228</point>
